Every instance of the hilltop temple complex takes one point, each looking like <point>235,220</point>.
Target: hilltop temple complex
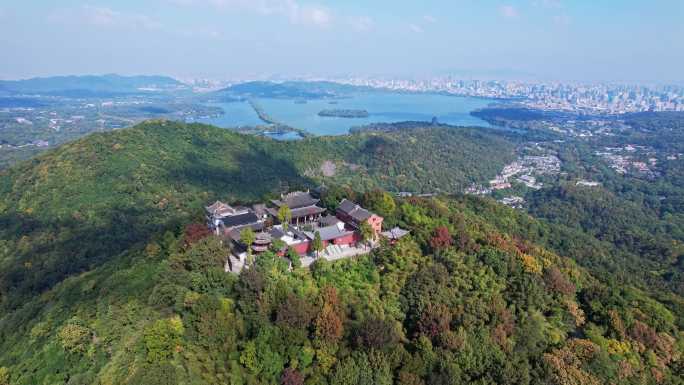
<point>340,235</point>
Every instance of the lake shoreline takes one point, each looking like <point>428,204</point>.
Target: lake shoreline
<point>282,114</point>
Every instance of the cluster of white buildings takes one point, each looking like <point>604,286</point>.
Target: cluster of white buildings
<point>524,170</point>
<point>594,98</point>
<point>631,158</point>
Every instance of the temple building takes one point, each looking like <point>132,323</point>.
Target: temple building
<point>225,219</point>
<point>302,205</point>
<point>354,215</point>
<point>219,210</point>
<point>395,234</point>
<point>262,241</point>
<point>337,234</point>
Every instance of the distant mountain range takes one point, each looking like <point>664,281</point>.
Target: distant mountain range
<point>89,85</point>
<point>291,89</point>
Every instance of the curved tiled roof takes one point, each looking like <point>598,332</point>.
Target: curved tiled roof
<point>355,211</point>
<point>295,200</point>
<point>240,220</point>
<point>395,233</point>
<point>329,233</point>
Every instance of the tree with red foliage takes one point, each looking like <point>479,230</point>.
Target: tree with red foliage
<point>291,377</point>
<point>504,328</point>
<point>328,323</point>
<point>329,296</point>
<point>442,238</point>
<point>463,240</point>
<point>375,333</point>
<point>434,321</point>
<point>407,378</point>
<point>522,245</point>
<point>644,334</point>
<point>295,313</point>
<point>556,281</point>
<point>195,232</point>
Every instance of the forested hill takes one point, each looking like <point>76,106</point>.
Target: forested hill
<point>92,85</point>
<point>76,206</point>
<point>101,281</point>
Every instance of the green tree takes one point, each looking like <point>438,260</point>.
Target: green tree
<point>162,338</point>
<point>317,243</point>
<point>284,216</point>
<point>247,238</point>
<point>346,372</point>
<point>248,357</point>
<point>75,337</point>
<point>294,258</point>
<point>381,202</point>
<point>278,245</point>
<point>162,373</point>
<point>367,233</point>
<point>204,254</point>
<point>4,376</point>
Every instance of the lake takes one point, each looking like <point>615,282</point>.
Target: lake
<point>382,107</point>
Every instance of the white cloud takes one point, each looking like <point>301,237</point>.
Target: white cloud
<point>508,11</point>
<point>104,17</point>
<point>416,28</point>
<point>429,19</point>
<point>362,23</point>
<point>310,15</point>
<point>306,14</point>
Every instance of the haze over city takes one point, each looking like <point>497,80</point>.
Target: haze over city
<point>586,41</point>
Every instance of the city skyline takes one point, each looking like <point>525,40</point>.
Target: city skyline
<point>529,40</point>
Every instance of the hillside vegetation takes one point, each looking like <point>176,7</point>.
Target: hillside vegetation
<point>101,284</point>
<point>77,206</point>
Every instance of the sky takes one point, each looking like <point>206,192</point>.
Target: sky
<point>564,40</point>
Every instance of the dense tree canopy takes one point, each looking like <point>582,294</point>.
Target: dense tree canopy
<point>108,282</point>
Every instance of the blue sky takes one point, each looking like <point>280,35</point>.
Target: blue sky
<point>582,40</point>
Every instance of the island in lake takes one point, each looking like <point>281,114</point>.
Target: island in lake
<point>336,113</point>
